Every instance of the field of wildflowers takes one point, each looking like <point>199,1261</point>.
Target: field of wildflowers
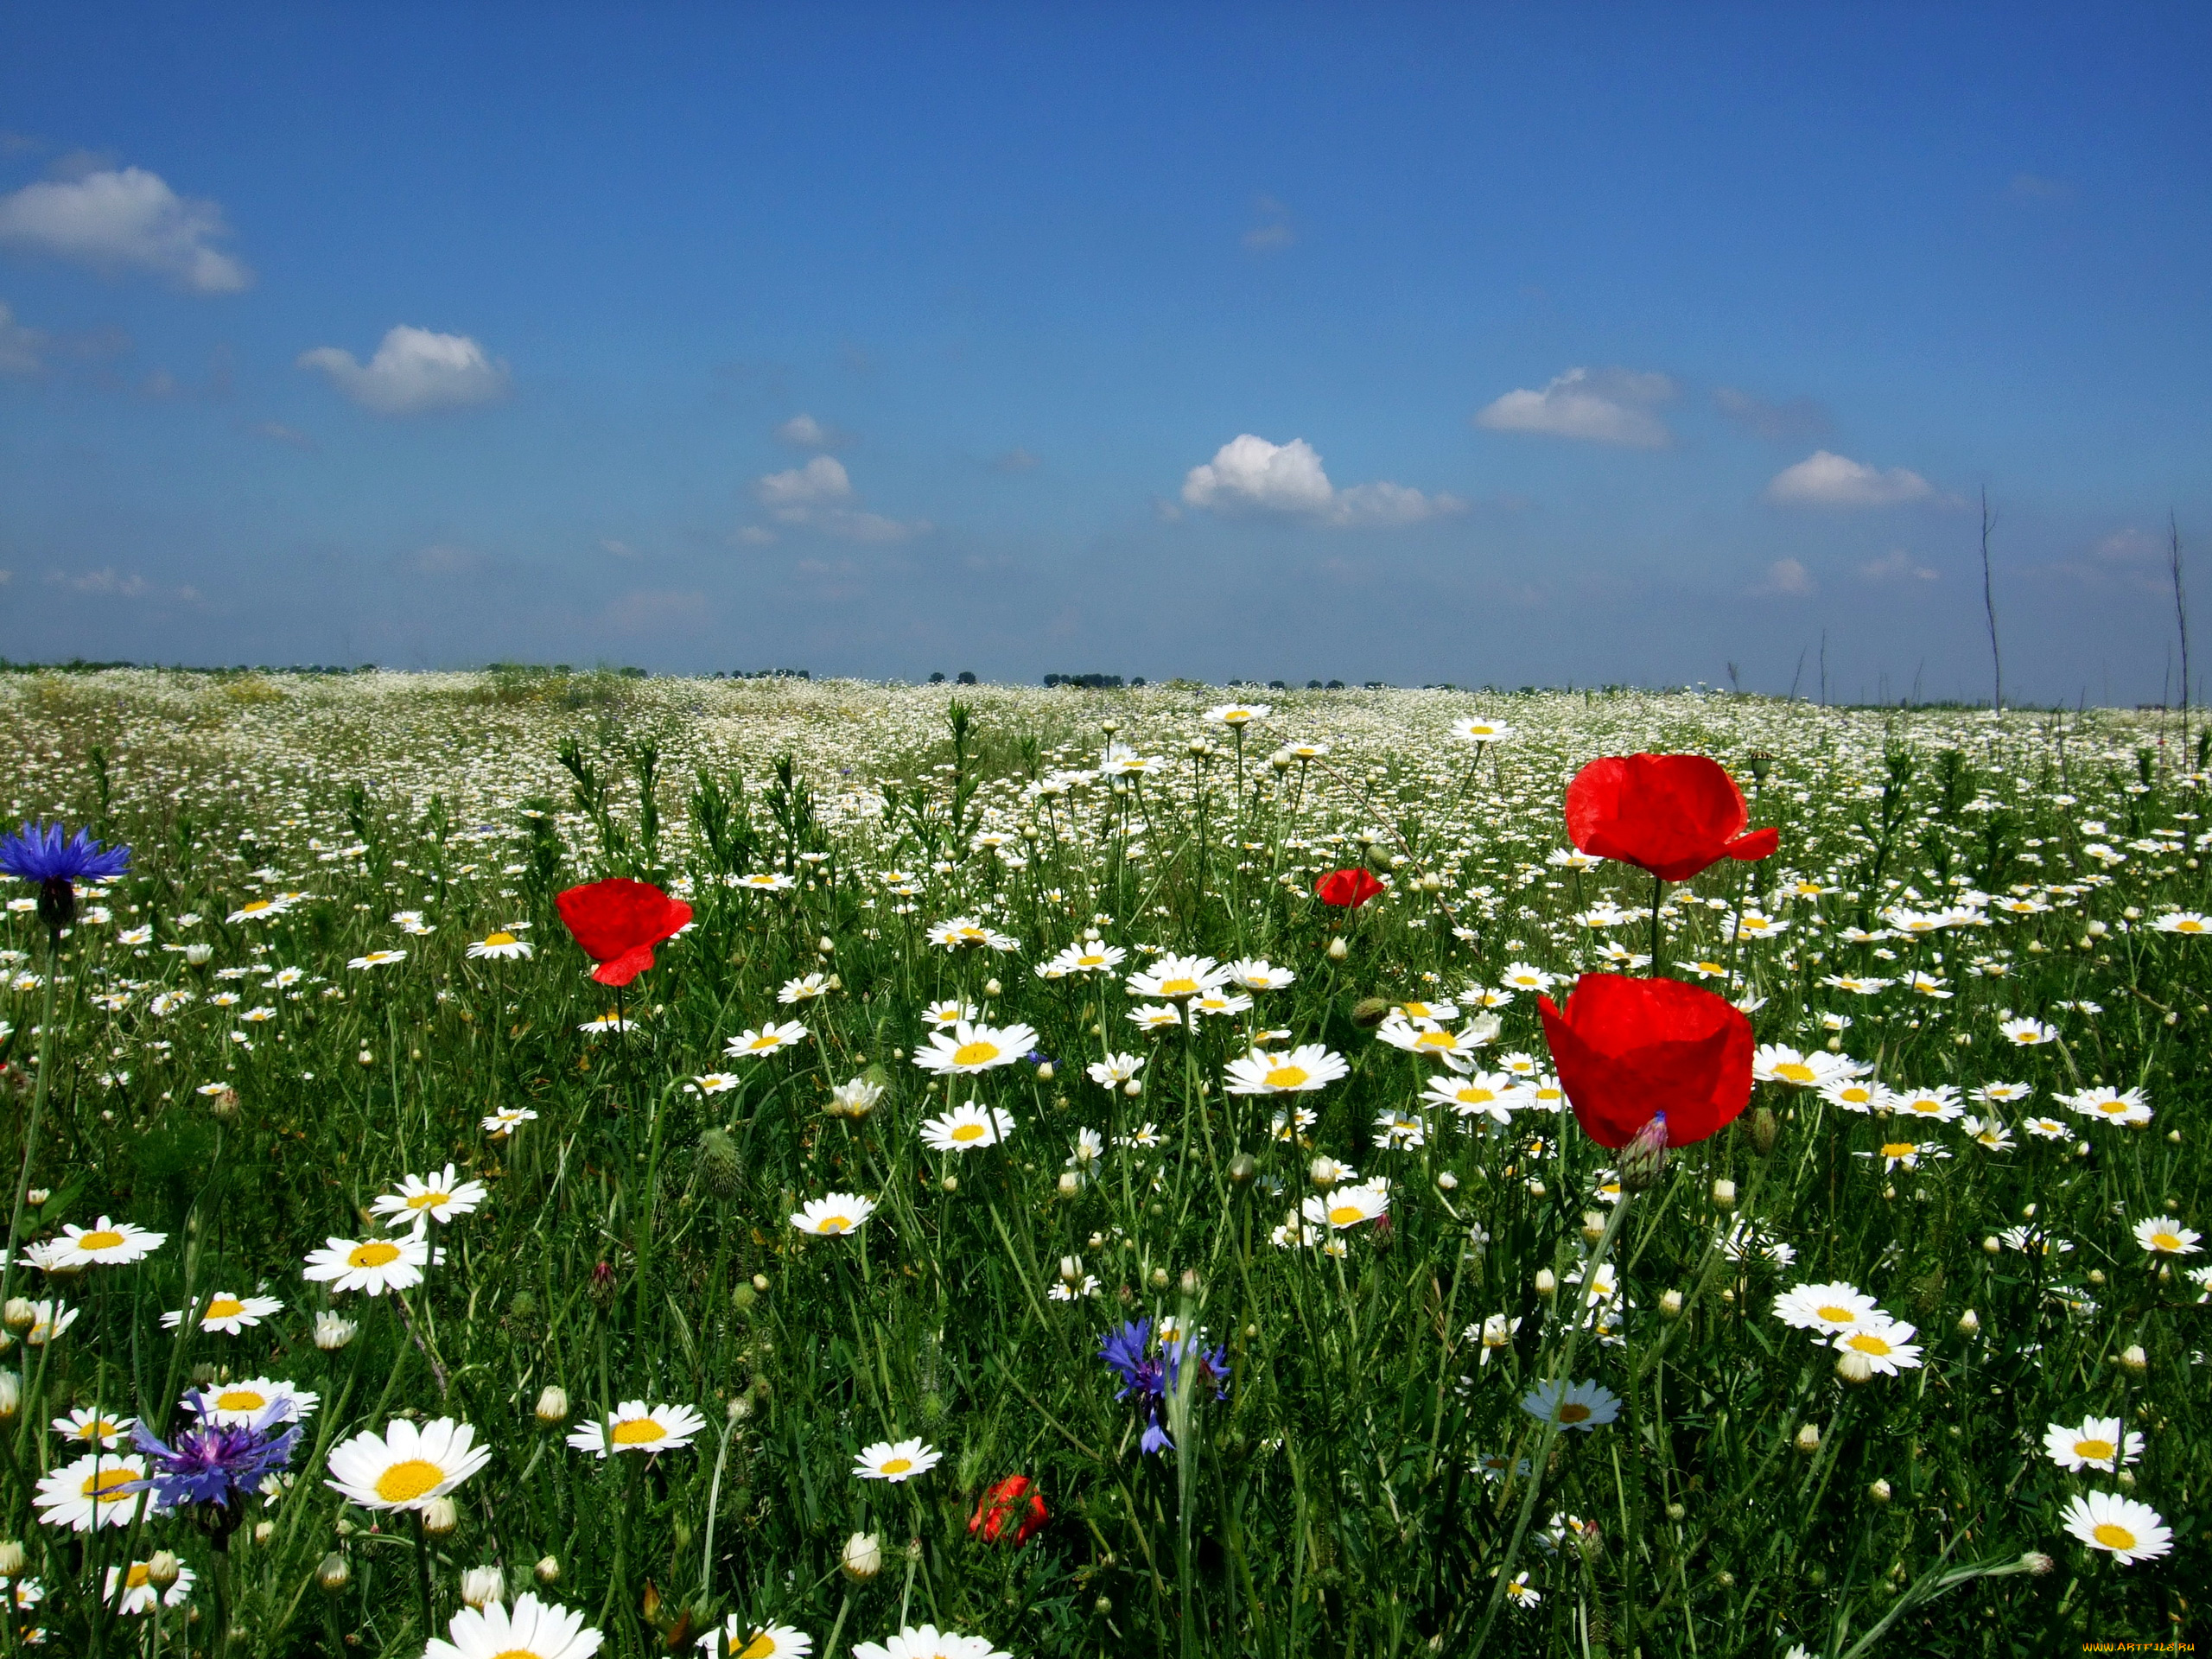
<point>539,1165</point>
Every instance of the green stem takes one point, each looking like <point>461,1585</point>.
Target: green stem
<point>38,1112</point>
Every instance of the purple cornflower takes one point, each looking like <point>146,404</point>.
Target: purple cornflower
<point>39,854</point>
<point>1151,1377</point>
<point>215,1464</point>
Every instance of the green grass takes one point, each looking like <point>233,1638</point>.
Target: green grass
<point>1332,1503</point>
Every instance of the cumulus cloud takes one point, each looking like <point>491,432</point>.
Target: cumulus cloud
<point>1825,479</point>
<point>1895,565</point>
<point>19,346</point>
<point>819,496</point>
<point>1607,406</point>
<point>1786,578</point>
<point>112,220</point>
<point>414,370</point>
<point>804,432</point>
<point>1250,474</point>
<point>1799,418</point>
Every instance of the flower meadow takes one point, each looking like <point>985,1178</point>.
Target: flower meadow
<point>538,1164</point>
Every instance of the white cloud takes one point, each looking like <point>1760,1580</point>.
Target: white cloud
<point>804,432</point>
<point>414,370</point>
<point>1895,565</point>
<point>111,219</point>
<point>19,346</point>
<point>1786,578</point>
<point>619,550</point>
<point>1250,474</point>
<point>819,496</point>
<point>1611,406</point>
<point>1824,478</point>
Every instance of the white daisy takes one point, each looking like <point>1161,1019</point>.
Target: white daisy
<point>972,1048</point>
<point>406,1467</point>
<point>967,1127</point>
<point>97,1490</point>
<point>2131,1531</point>
<point>374,1265</point>
<point>2093,1443</point>
<point>636,1427</point>
<point>532,1629</point>
<point>1307,1067</point>
<point>435,1198</point>
<point>834,1213</point>
<point>901,1462</point>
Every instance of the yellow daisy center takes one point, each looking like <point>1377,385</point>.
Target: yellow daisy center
<point>1177,986</point>
<point>637,1431</point>
<point>1855,1095</point>
<point>833,1223</point>
<point>241,1400</point>
<point>897,1465</point>
<point>426,1200</point>
<point>1574,1412</point>
<point>1924,1105</point>
<point>1867,1343</point>
<point>1837,1315</point>
<point>1436,1039</point>
<point>2094,1451</point>
<point>136,1576</point>
<point>1794,1072</point>
<point>2114,1536</point>
<point>1287,1077</point>
<point>1344,1215</point>
<point>1898,1148</point>
<point>105,1239</point>
<point>1414,1010</point>
<point>975,1053</point>
<point>254,908</point>
<point>766,1039</point>
<point>762,1646</point>
<point>225,1307</point>
<point>2113,1107</point>
<point>1476,1097</point>
<point>2165,1241</point>
<point>374,1254</point>
<point>100,1486</point>
<point>965,1132</point>
<point>408,1479</point>
<point>496,939</point>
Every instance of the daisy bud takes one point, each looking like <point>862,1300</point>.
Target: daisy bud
<point>332,1332</point>
<point>440,1516</point>
<point>38,1195</point>
<point>11,1402</point>
<point>1188,1282</point>
<point>366,1058</point>
<point>1675,1512</point>
<point>19,1314</point>
<point>1446,1181</point>
<point>223,1105</point>
<point>1992,1245</point>
<point>1338,949</point>
<point>1593,1226</point>
<point>1071,1270</point>
<point>2126,1479</point>
<point>1044,1071</point>
<point>2132,1359</point>
<point>334,1575</point>
<point>1546,1282</point>
<point>1670,1305</point>
<point>1854,1367</point>
<point>951,1184</point>
<point>2036,1562</point>
<point>548,1570</point>
<point>825,946</point>
<point>553,1405</point>
<point>263,1531</point>
<point>1242,1167</point>
<point>199,956</point>
<point>1071,1183</point>
<point>991,988</point>
<point>1723,1195</point>
<point>1133,1087</point>
<point>1808,1440</point>
<point>1160,1278</point>
<point>1103,1606</point>
<point>1970,1324</point>
<point>863,1558</point>
<point>1879,1491</point>
<point>481,1586</point>
<point>162,1568</point>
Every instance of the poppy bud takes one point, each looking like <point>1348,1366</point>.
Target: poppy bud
<point>1368,1013</point>
<point>1764,1129</point>
<point>721,1171</point>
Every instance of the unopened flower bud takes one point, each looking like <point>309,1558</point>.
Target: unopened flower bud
<point>1879,1491</point>
<point>951,1184</point>
<point>1546,1282</point>
<point>440,1516</point>
<point>1670,1305</point>
<point>721,1171</point>
<point>1044,1071</point>
<point>1969,1323</point>
<point>548,1570</point>
<point>1675,1512</point>
<point>1854,1367</point>
<point>1446,1181</point>
<point>1242,1167</point>
<point>12,1559</point>
<point>1338,949</point>
<point>263,1531</point>
<point>19,1314</point>
<point>482,1585</point>
<point>1160,1278</point>
<point>1723,1195</point>
<point>1071,1183</point>
<point>162,1569</point>
<point>1133,1087</point>
<point>334,1575</point>
<point>332,1332</point>
<point>1593,1226</point>
<point>992,988</point>
<point>1807,1440</point>
<point>862,1557</point>
<point>37,1196</point>
<point>199,956</point>
<point>552,1405</point>
<point>11,1396</point>
<point>1764,1129</point>
<point>760,1282</point>
<point>825,945</point>
<point>2132,1359</point>
<point>1188,1284</point>
<point>2036,1562</point>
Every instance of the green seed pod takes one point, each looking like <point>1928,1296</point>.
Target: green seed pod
<point>1368,1012</point>
<point>721,1171</point>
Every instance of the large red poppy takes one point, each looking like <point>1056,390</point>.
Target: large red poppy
<point>1346,889</point>
<point>618,922</point>
<point>1670,814</point>
<point>1629,1050</point>
<point>1002,1504</point>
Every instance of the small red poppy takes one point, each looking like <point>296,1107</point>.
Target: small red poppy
<point>1346,889</point>
<point>618,922</point>
<point>1002,1502</point>
<point>1670,814</point>
<point>1633,1051</point>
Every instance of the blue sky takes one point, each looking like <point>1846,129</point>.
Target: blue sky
<point>1544,345</point>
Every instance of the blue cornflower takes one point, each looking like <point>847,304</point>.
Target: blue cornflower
<point>214,1462</point>
<point>39,854</point>
<point>1150,1377</point>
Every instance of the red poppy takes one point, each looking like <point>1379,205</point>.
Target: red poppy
<point>1669,814</point>
<point>1002,1502</point>
<point>618,922</point>
<point>1347,889</point>
<point>1633,1053</point>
